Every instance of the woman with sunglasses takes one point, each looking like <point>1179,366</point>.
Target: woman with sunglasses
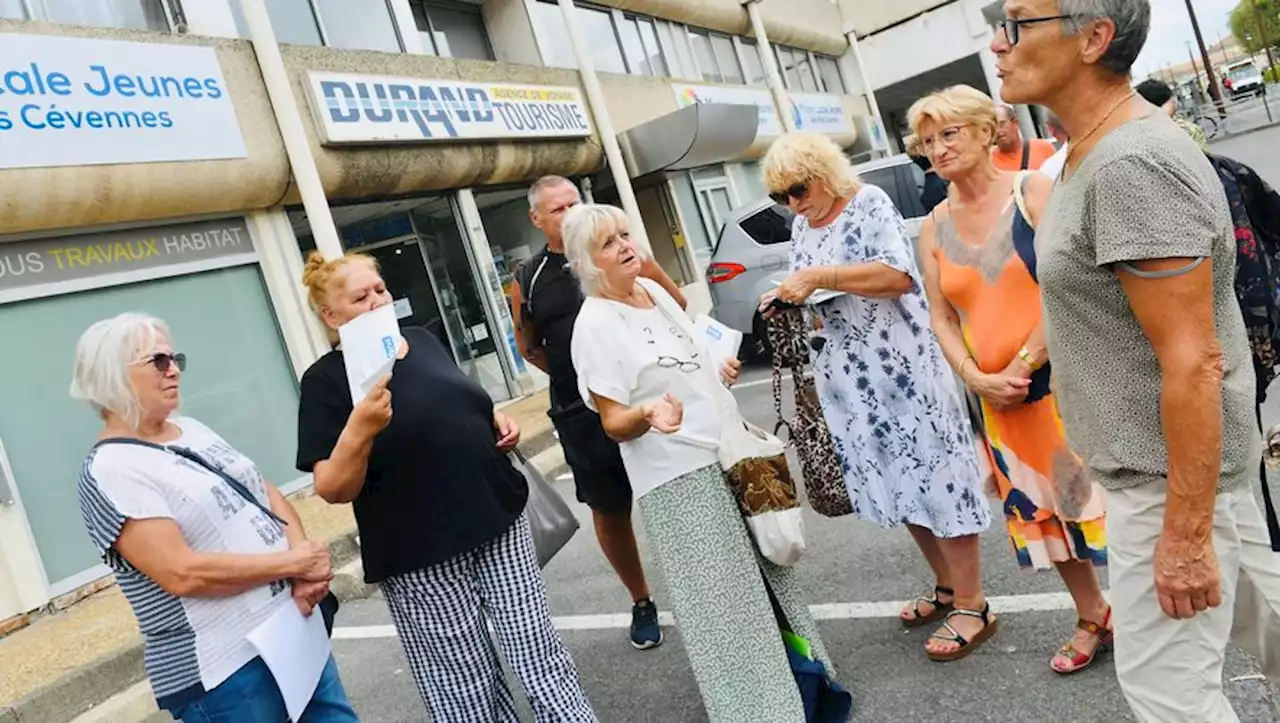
<point>661,395</point>
<point>901,431</point>
<point>203,548</point>
<point>979,258</point>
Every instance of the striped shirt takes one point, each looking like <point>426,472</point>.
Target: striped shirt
<point>192,644</point>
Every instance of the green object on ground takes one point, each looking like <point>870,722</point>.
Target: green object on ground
<point>797,644</point>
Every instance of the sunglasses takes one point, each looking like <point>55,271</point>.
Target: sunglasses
<point>798,191</point>
<point>162,362</point>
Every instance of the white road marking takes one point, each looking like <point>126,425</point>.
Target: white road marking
<point>759,382</point>
<point>1037,603</point>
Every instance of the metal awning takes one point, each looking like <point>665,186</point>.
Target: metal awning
<point>694,136</point>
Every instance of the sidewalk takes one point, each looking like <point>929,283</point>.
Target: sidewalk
<point>64,664</point>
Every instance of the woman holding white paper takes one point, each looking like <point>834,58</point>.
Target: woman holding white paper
<point>440,509</point>
<point>650,375</point>
<point>205,551</point>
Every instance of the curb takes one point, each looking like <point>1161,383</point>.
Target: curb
<point>114,689</point>
<point>80,693</point>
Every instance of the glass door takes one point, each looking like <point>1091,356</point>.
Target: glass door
<point>461,303</point>
<point>410,284</point>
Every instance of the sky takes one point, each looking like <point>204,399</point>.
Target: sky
<point>1171,31</point>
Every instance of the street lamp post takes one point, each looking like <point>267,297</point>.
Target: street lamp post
<point>1214,91</point>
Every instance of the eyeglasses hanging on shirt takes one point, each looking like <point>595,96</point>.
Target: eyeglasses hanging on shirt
<point>667,361</point>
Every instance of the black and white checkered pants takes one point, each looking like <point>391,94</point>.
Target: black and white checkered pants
<point>440,614</point>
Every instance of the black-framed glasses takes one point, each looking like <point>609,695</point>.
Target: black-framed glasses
<point>670,362</point>
<point>163,361</point>
<point>1013,26</point>
<point>798,191</point>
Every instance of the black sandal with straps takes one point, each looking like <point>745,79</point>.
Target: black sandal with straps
<point>990,624</point>
<point>940,609</point>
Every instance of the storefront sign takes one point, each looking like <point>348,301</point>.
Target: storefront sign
<point>353,108</point>
<point>816,112</point>
<point>44,267</point>
<point>80,101</point>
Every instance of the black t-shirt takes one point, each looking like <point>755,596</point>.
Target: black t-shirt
<point>552,304</point>
<point>437,485</point>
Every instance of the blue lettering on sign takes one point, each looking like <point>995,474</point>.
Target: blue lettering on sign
<point>443,111</point>
<point>36,83</point>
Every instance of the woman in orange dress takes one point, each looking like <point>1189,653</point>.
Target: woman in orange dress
<point>977,250</point>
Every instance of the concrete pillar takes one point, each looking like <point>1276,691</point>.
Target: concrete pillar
<point>769,59</point>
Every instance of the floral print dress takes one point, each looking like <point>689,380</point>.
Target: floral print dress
<point>901,430</point>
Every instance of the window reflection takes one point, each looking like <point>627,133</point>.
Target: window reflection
<point>293,21</point>
<point>829,69</point>
<point>755,69</point>
<point>132,14</point>
<point>12,10</point>
<point>553,37</point>
<point>452,31</point>
<point>597,30</point>
<point>359,25</point>
<point>653,51</point>
<point>705,56</point>
<point>727,58</point>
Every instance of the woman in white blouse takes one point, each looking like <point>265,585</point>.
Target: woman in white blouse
<point>660,394</point>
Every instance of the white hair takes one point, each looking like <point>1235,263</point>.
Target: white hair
<point>104,355</point>
<point>1132,19</point>
<point>586,226</point>
<point>535,191</point>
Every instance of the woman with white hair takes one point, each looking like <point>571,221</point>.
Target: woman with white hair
<point>661,395</point>
<point>901,432</point>
<point>203,548</point>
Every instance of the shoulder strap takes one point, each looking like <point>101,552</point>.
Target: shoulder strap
<point>192,456</point>
<point>528,276</point>
<point>1020,197</point>
<point>1026,155</point>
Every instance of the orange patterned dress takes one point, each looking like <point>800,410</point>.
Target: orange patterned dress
<point>1053,511</point>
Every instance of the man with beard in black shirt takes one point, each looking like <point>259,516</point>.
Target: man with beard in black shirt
<point>545,300</point>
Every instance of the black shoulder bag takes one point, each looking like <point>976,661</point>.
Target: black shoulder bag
<point>329,605</point>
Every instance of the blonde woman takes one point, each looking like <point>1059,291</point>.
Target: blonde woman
<point>643,368</point>
<point>900,428</point>
<point>423,460</point>
<point>979,257</point>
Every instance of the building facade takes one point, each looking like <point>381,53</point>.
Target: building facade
<point>143,168</point>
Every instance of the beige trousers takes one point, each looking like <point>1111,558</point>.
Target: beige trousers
<point>1171,670</point>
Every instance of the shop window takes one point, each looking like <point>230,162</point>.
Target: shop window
<point>829,70</point>
<point>640,45</point>
<point>452,30</point>
<point>131,14</point>
<point>755,69</point>
<point>727,58</point>
<point>552,35</point>
<point>804,69</point>
<point>787,67</point>
<point>351,24</point>
<point>239,381</point>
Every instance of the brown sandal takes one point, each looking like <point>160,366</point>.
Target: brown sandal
<point>940,609</point>
<point>1078,661</point>
<point>990,625</point>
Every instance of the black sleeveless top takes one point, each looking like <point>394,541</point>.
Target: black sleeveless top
<point>552,299</point>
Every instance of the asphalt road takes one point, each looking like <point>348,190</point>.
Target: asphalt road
<point>1007,681</point>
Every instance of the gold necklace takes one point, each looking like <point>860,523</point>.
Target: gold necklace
<point>1071,151</point>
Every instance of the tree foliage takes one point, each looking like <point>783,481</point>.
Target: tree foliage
<point>1244,24</point>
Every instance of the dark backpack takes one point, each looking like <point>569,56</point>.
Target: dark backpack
<point>1255,213</point>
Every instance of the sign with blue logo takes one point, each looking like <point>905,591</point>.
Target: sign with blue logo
<point>352,108</point>
<point>81,101</point>
<point>814,112</point>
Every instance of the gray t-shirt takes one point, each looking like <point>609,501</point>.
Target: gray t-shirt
<point>1146,191</point>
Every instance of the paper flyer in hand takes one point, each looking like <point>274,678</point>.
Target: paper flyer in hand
<point>817,297</point>
<point>296,650</point>
<point>370,343</point>
<point>722,341</point>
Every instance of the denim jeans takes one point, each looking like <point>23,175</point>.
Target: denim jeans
<point>250,695</point>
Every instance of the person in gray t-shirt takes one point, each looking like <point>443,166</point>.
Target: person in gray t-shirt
<point>1155,382</point>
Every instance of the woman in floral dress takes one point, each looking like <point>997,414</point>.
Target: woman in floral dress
<point>901,431</point>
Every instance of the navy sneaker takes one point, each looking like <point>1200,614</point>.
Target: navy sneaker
<point>645,633</point>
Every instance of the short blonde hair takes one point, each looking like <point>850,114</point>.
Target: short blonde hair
<point>104,355</point>
<point>586,226</point>
<point>957,104</point>
<point>800,157</point>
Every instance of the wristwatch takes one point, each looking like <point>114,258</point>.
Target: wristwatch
<point>1025,356</point>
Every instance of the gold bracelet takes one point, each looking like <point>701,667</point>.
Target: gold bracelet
<point>1025,355</point>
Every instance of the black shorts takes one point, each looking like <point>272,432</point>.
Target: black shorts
<point>598,473</point>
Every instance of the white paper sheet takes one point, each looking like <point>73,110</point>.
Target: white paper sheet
<point>817,297</point>
<point>370,343</point>
<point>296,650</point>
<point>723,341</point>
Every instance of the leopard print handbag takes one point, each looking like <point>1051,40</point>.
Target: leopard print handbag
<point>807,430</point>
